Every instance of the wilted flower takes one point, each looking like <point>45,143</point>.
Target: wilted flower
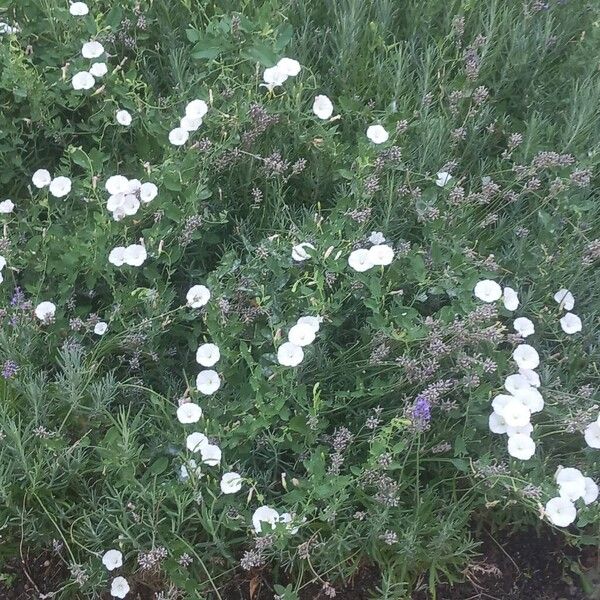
<point>299,252</point>
<point>442,178</point>
<point>565,299</point>
<point>60,186</point>
<point>207,355</point>
<point>112,559</point>
<point>100,328</point>
<point>208,382</point>
<point>123,117</point>
<point>487,290</point>
<point>264,515</point>
<point>198,296</point>
<point>211,454</point>
<point>301,334</point>
<point>190,466</point>
<point>189,413</point>
<point>92,49</point>
<point>119,587</point>
<point>195,441</point>
<point>41,178</point>
<point>570,323</point>
<point>45,310</point>
<point>98,69</point>
<point>6,207</point>
<point>79,9</point>
<point>178,136</point>
<point>523,326</point>
<point>377,134</point>
<point>521,446</point>
<point>289,355</point>
<point>560,511</point>
<point>231,483</point>
<point>510,298</point>
<point>381,254</point>
<point>360,260</point>
<point>322,107</point>
<point>526,357</point>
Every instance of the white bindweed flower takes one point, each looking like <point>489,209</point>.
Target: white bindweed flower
<point>314,322</point>
<point>264,515</point>
<point>360,260</point>
<point>198,296</point>
<point>500,401</point>
<point>526,357</point>
<point>289,355</point>
<point>231,483</point>
<point>521,446</point>
<point>521,430</point>
<point>531,377</point>
<point>322,107</point>
<point>515,413</point>
<point>570,323</point>
<point>135,255</point>
<point>189,412</point>
<point>45,311</point>
<point>273,77</point>
<point>487,290</point>
<point>376,237</point>
<point>190,123</point>
<point>497,424</point>
<point>592,435</point>
<point>148,191</point>
<point>195,441</point>
<point>112,559</point>
<point>6,207</point>
<point>515,382</point>
<point>208,382</point>
<point>381,254</point>
<point>287,519</point>
<point>196,109</point>
<point>41,178</point>
<point>178,136</point>
<point>124,118</point>
<point>2,262</point>
<point>98,69</point>
<point>524,327</point>
<point>119,587</point>
<point>211,454</point>
<point>560,511</point>
<point>100,328</point>
<point>92,49</point>
<point>289,66</point>
<point>571,483</point>
<point>510,299</point>
<point>442,178</point>
<point>117,184</point>
<point>79,9</point>
<point>377,134</point>
<point>301,335</point>
<point>299,252</point>
<point>208,355</point>
<point>83,81</point>
<point>191,466</point>
<point>60,187</point>
<point>565,299</point>
<point>531,398</point>
<point>130,205</point>
<point>591,491</point>
<point>117,256</point>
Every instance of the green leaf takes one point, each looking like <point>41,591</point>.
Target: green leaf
<point>159,466</point>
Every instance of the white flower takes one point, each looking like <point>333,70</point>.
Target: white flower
<point>301,335</point>
<point>191,466</point>
<point>376,237</point>
<point>198,296</point>
<point>45,310</point>
<point>92,49</point>
<point>496,423</point>
<point>287,519</point>
<point>531,398</point>
<point>60,187</point>
<point>124,118</point>
<point>510,299</point>
<point>487,290</point>
<point>41,178</point>
<point>100,328</point>
<point>500,401</point>
<point>189,412</point>
<point>531,377</point>
<point>190,123</point>
<point>515,413</point>
<point>322,107</point>
<point>521,446</point>
<point>231,483</point>
<point>289,355</point>
<point>515,382</point>
<point>571,483</point>
<point>592,435</point>
<point>289,66</point>
<point>148,191</point>
<point>6,207</point>
<point>211,454</point>
<point>299,253</point>
<point>560,511</point>
<point>112,559</point>
<point>526,357</point>
<point>314,322</point>
<point>377,134</point>
<point>117,184</point>
<point>133,185</point>
<point>523,326</point>
<point>570,323</point>
<point>207,355</point>
<point>381,254</point>
<point>178,136</point>
<point>195,441</point>
<point>83,81</point>
<point>130,205</point>
<point>117,256</point>
<point>264,515</point>
<point>99,69</point>
<point>208,382</point>
<point>2,262</point>
<point>565,299</point>
<point>119,587</point>
<point>196,109</point>
<point>521,430</point>
<point>273,77</point>
<point>79,9</point>
<point>135,255</point>
<point>591,491</point>
<point>6,29</point>
<point>442,179</point>
<point>360,260</point>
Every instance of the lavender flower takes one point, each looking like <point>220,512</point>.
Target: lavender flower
<point>9,369</point>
